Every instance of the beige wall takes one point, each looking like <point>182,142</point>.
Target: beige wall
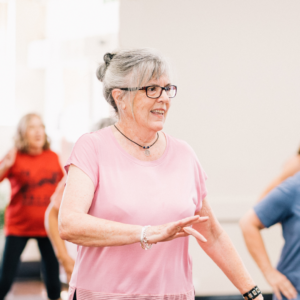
<point>237,67</point>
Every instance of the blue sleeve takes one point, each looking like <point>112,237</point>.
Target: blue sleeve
<point>277,205</point>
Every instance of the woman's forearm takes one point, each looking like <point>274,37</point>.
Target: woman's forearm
<point>223,253</point>
<point>221,250</point>
<point>87,230</point>
<point>58,244</point>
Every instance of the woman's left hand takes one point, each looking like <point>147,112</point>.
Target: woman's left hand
<point>174,230</point>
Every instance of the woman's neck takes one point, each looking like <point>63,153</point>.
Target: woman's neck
<point>34,150</point>
<point>140,135</point>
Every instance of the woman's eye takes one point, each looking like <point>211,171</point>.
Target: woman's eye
<point>152,88</point>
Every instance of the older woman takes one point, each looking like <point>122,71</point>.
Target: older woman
<point>126,177</point>
<point>34,172</point>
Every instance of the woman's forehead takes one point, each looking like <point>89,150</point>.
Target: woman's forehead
<point>161,81</point>
<point>34,120</point>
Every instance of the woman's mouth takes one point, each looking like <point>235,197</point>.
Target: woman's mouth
<point>158,112</point>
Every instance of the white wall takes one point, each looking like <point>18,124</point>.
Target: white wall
<point>56,45</point>
<point>237,67</point>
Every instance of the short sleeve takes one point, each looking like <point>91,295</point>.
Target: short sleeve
<point>84,156</point>
<point>277,205</point>
<point>201,186</point>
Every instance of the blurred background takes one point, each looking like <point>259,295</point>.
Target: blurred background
<point>237,68</point>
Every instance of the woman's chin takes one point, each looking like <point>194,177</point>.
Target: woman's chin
<point>157,126</point>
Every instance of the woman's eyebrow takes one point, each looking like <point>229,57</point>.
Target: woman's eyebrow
<point>159,85</point>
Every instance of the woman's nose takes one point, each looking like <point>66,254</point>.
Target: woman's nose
<point>164,97</point>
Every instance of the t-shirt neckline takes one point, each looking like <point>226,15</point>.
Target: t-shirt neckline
<point>136,160</point>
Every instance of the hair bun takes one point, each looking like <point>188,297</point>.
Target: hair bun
<point>102,68</point>
<point>107,58</point>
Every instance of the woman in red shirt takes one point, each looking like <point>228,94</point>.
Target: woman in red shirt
<point>34,172</point>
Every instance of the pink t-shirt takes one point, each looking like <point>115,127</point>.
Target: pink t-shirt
<point>132,191</point>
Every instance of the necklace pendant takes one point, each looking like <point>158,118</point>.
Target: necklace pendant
<point>147,152</point>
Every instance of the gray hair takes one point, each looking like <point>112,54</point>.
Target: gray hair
<point>105,122</point>
<point>130,68</point>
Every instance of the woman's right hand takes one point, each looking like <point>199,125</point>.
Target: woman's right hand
<point>173,230</point>
<point>68,264</point>
<point>281,285</point>
<point>9,159</point>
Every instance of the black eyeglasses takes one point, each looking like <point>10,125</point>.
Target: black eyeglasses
<point>155,91</point>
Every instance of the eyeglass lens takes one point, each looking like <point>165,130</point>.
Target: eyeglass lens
<point>156,91</point>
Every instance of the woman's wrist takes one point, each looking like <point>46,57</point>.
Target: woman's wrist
<point>62,258</point>
<point>137,233</point>
<point>268,271</point>
<point>253,293</point>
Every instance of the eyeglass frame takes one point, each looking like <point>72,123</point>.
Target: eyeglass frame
<point>146,87</point>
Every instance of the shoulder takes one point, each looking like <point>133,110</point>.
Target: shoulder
<point>182,147</point>
<point>94,137</point>
<point>50,155</point>
<point>291,186</point>
<point>89,144</point>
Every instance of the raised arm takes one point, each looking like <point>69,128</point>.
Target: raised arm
<point>7,162</point>
<point>251,226</point>
<point>77,226</point>
<point>221,250</point>
<point>289,169</point>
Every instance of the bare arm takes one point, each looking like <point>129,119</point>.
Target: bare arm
<point>7,162</point>
<point>221,250</point>
<point>251,226</point>
<point>76,226</point>
<point>290,168</point>
<point>58,244</point>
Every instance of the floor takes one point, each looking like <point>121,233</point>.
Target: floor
<point>35,290</point>
<point>30,290</point>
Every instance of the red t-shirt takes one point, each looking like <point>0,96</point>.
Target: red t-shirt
<point>33,179</point>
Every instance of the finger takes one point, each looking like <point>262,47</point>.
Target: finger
<point>180,234</point>
<point>201,219</point>
<point>188,221</point>
<point>177,235</point>
<point>277,293</point>
<point>288,289</point>
<point>184,222</point>
<point>195,234</point>
<point>177,226</point>
<point>292,290</point>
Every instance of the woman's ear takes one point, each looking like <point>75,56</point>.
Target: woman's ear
<point>117,95</point>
